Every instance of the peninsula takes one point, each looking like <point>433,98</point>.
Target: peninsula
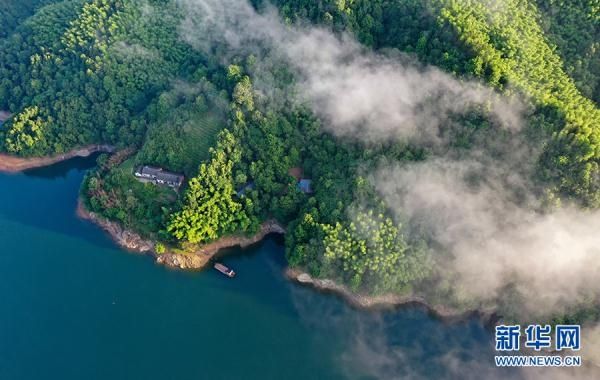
<point>402,162</point>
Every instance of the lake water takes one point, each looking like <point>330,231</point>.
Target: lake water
<point>75,306</point>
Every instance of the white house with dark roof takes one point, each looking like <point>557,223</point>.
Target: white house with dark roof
<point>159,176</point>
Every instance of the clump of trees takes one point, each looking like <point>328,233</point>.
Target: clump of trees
<point>368,252</point>
<point>209,209</point>
<point>26,133</point>
<point>113,192</point>
<point>12,13</point>
<point>573,27</point>
<point>94,68</point>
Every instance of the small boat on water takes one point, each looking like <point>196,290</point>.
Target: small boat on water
<point>223,269</point>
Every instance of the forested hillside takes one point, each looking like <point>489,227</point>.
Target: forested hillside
<point>12,13</point>
<point>574,28</point>
<point>505,45</point>
<point>123,72</point>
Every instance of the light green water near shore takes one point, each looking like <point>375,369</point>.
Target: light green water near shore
<point>75,306</point>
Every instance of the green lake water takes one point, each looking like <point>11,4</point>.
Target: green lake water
<point>75,306</point>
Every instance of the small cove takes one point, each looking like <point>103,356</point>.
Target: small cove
<point>77,306</point>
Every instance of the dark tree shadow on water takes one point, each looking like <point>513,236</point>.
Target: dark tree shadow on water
<point>62,169</point>
<point>46,198</point>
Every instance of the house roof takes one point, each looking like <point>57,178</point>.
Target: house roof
<point>305,185</point>
<point>161,174</point>
<point>296,172</point>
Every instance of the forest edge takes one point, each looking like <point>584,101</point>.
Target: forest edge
<point>200,257</point>
<point>12,164</point>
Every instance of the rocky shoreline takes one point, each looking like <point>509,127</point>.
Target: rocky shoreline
<point>197,259</point>
<point>128,240</point>
<point>387,301</point>
<point>12,164</point>
<point>200,257</point>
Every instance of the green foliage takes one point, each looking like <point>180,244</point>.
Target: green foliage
<point>234,73</point>
<point>26,133</point>
<point>209,210</point>
<point>323,236</point>
<point>113,192</point>
<point>370,253</point>
<point>116,71</point>
<point>408,25</point>
<point>98,24</point>
<point>185,128</point>
<point>94,67</point>
<point>511,46</point>
<point>242,94</point>
<point>12,13</point>
<point>574,27</point>
<point>160,248</point>
<point>504,44</point>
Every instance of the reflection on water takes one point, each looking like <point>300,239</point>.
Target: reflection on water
<point>74,306</point>
<point>61,169</point>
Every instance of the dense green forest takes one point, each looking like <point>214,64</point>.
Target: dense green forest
<point>506,46</point>
<point>78,72</point>
<point>574,28</point>
<point>12,13</point>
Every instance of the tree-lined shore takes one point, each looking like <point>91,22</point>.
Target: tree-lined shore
<point>85,76</point>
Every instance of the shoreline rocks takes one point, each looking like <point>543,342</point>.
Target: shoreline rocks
<point>200,257</point>
<point>128,240</point>
<point>388,301</point>
<point>197,259</point>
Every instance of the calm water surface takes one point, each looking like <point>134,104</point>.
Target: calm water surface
<point>75,306</point>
